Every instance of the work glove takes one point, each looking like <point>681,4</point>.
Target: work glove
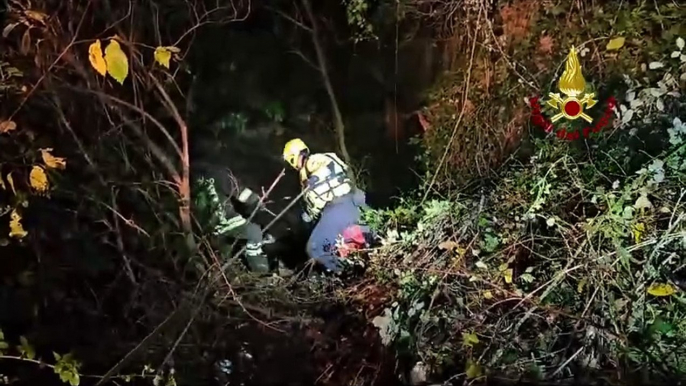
<point>306,217</point>
<point>267,238</point>
<point>256,259</point>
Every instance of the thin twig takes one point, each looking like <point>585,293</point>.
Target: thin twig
<point>567,362</point>
<point>54,63</point>
<point>448,146</point>
<point>142,344</point>
<point>321,58</point>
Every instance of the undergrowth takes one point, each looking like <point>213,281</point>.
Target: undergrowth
<point>567,265</point>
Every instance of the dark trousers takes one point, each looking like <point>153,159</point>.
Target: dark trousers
<point>335,218</point>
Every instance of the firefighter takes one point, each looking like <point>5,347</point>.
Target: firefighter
<point>330,199</point>
<point>218,198</point>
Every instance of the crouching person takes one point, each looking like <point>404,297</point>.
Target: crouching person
<point>330,199</point>
<point>215,195</point>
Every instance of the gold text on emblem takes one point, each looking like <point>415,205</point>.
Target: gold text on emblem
<point>572,84</point>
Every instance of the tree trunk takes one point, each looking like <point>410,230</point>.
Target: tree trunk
<point>338,118</point>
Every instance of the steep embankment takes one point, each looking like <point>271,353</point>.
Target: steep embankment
<point>566,264</point>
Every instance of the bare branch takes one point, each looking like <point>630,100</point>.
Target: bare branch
<point>292,20</point>
<point>321,58</point>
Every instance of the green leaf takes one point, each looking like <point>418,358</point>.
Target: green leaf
<point>67,368</point>
<point>491,242</point>
<point>473,370</point>
<point>508,275</point>
<point>26,350</point>
<point>3,344</point>
<point>580,286</point>
<point>469,339</point>
<point>117,63</point>
<point>661,326</point>
<point>638,230</point>
<point>527,277</point>
<point>615,44</point>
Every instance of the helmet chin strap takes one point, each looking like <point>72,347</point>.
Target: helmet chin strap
<point>300,161</point>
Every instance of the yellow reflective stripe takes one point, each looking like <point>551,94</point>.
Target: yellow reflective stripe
<point>227,225</point>
<point>333,180</point>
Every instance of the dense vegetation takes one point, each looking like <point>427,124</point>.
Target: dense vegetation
<point>518,255</point>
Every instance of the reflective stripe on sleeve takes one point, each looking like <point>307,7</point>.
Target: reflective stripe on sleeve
<point>245,195</point>
<point>228,225</point>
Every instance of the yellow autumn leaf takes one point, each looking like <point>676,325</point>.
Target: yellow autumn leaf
<point>38,179</point>
<point>615,44</point>
<point>96,58</point>
<point>7,126</point>
<point>117,63</point>
<point>10,181</point>
<point>508,275</point>
<point>37,16</point>
<point>488,295</point>
<point>51,161</point>
<point>16,229</point>
<point>580,286</point>
<point>163,56</point>
<point>638,230</point>
<point>469,339</point>
<point>659,289</point>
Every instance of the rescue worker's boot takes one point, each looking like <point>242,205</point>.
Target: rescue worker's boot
<point>255,258</point>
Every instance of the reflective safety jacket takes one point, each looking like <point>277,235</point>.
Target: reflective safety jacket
<point>213,191</point>
<point>326,177</point>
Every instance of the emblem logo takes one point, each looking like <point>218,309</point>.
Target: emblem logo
<point>572,84</point>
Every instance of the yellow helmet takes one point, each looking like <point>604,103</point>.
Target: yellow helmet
<point>293,150</point>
